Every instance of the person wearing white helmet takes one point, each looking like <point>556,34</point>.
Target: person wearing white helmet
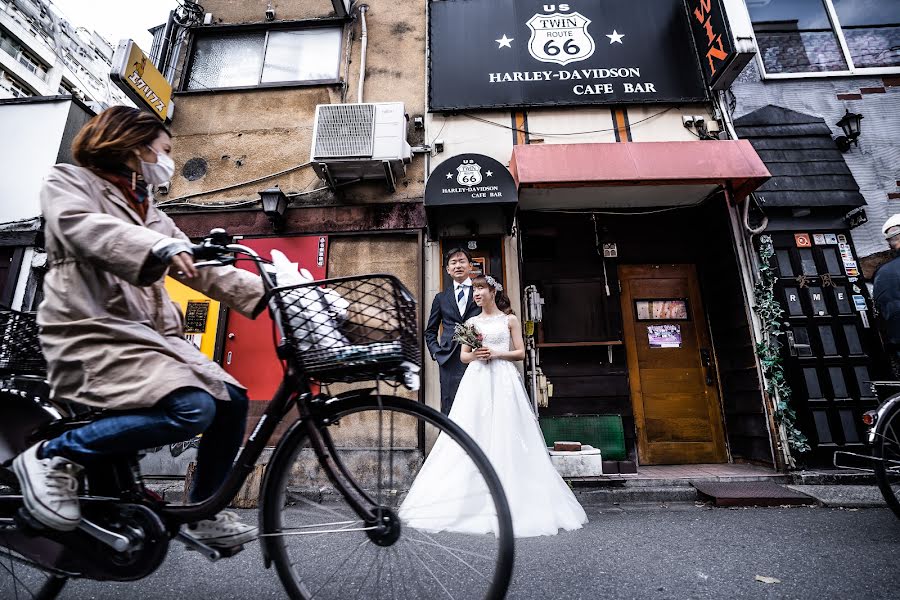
<point>887,293</point>
<point>891,230</point>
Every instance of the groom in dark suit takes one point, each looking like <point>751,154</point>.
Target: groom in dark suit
<point>450,308</point>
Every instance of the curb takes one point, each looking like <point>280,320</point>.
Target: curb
<point>610,490</point>
<point>832,478</point>
<point>640,494</point>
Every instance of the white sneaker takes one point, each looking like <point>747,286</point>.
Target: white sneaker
<point>49,488</point>
<point>222,531</point>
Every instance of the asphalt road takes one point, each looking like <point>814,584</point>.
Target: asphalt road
<point>645,552</point>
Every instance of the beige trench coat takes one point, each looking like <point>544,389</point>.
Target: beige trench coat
<point>112,336</point>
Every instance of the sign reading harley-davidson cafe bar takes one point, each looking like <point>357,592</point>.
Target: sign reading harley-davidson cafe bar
<point>470,179</point>
<point>470,188</point>
<point>512,53</point>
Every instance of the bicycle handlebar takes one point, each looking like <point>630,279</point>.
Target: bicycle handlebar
<point>215,251</point>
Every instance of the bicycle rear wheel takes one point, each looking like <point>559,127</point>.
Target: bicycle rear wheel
<point>20,576</point>
<point>323,549</point>
<point>887,449</point>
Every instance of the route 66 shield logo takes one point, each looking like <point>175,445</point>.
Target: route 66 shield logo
<point>560,38</point>
<point>468,173</point>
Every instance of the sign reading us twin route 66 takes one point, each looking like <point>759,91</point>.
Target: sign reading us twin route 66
<point>520,53</point>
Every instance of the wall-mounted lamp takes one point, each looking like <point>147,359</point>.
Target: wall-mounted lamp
<point>849,124</point>
<point>274,204</point>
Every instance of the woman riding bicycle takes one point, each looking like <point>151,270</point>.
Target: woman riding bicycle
<point>112,337</point>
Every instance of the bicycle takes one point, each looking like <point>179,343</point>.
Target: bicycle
<point>330,494</point>
<point>883,425</point>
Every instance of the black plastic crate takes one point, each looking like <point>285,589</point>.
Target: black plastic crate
<point>20,348</point>
<point>350,328</point>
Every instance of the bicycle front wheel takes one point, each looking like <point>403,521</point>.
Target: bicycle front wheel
<point>457,545</point>
<point>886,448</point>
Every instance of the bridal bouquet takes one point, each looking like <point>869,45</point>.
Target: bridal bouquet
<point>469,335</point>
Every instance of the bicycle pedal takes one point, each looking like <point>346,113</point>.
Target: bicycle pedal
<point>194,545</point>
<point>231,551</point>
<point>223,552</point>
<point>28,524</point>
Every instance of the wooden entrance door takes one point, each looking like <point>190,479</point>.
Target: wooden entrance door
<point>671,366</point>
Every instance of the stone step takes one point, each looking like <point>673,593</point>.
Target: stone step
<point>833,477</point>
<point>619,480</point>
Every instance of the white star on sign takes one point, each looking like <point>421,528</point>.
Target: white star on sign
<point>449,175</point>
<point>504,41</point>
<point>489,173</point>
<point>615,37</point>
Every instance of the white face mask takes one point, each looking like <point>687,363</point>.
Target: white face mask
<point>159,172</point>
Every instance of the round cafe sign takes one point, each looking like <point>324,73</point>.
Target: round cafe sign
<point>470,178</point>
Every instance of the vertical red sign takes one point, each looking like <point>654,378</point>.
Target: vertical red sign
<point>249,352</point>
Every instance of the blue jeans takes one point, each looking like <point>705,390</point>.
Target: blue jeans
<point>181,415</point>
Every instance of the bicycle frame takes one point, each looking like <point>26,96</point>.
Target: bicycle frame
<point>294,390</point>
<point>879,413</point>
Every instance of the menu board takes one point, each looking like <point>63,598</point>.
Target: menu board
<point>196,316</point>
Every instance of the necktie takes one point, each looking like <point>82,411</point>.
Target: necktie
<point>461,300</point>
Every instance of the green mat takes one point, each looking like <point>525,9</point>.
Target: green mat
<point>600,431</point>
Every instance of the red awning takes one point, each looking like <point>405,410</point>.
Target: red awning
<point>633,174</point>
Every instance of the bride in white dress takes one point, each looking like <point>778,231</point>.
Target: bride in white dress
<point>493,408</point>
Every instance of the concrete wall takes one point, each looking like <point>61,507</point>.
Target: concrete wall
<point>249,134</point>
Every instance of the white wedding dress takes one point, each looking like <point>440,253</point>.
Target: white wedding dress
<point>492,407</point>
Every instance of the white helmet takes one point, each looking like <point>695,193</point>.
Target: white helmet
<point>891,227</point>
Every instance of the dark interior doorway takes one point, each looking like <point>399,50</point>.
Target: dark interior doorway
<point>580,340</point>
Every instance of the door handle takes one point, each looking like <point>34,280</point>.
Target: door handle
<point>706,360</point>
<point>228,358</point>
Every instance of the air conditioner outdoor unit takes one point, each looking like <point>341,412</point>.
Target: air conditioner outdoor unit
<point>360,142</point>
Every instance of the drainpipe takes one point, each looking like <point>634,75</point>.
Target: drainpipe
<point>363,9</point>
<point>740,227</point>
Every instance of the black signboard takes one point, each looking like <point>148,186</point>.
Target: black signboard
<point>195,316</point>
<point>470,179</point>
<point>712,37</point>
<point>470,188</point>
<point>523,53</point>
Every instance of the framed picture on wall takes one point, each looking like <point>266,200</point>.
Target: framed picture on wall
<point>661,309</point>
<point>486,253</point>
<point>478,266</point>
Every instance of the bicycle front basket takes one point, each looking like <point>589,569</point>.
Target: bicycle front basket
<point>20,348</point>
<point>350,328</point>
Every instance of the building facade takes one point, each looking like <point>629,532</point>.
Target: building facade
<point>43,54</point>
<point>591,173</point>
<point>322,106</point>
<point>651,183</point>
<point>627,258</point>
<point>822,64</point>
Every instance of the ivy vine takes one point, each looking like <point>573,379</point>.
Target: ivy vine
<point>769,350</point>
